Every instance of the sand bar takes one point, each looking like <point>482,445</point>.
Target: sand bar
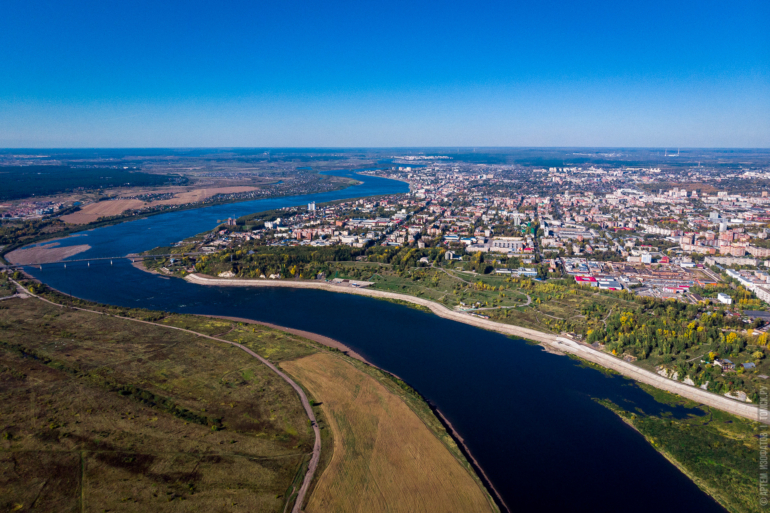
<point>44,254</point>
<point>315,337</point>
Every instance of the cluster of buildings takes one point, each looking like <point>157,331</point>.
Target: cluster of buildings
<point>610,228</point>
<point>613,228</point>
<point>29,210</point>
<point>359,223</point>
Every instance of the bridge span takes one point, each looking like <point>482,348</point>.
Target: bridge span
<point>132,257</point>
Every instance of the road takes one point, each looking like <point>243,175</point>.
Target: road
<point>316,456</point>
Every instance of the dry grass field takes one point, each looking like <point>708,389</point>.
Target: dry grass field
<point>385,457</point>
<point>103,414</point>
<point>201,194</point>
<point>94,211</point>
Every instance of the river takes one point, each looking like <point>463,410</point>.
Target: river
<point>528,417</point>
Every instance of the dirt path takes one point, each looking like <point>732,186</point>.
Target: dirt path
<point>451,275</point>
<point>315,458</point>
<point>561,343</point>
<point>315,337</point>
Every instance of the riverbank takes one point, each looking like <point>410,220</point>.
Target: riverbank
<point>44,253</point>
<point>315,337</point>
<point>705,449</point>
<point>560,343</point>
<point>69,230</point>
<point>347,351</point>
<point>466,499</point>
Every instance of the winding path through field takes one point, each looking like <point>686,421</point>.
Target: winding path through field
<point>559,342</point>
<point>314,459</point>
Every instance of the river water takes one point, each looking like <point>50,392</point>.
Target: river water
<point>528,417</point>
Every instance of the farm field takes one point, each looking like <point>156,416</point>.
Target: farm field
<point>386,457</point>
<point>90,213</point>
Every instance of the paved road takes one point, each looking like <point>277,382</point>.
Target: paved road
<point>315,458</point>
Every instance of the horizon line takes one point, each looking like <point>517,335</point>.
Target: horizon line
<point>662,148</point>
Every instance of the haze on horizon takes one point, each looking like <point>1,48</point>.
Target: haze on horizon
<point>395,74</point>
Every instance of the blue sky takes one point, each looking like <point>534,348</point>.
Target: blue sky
<point>294,73</point>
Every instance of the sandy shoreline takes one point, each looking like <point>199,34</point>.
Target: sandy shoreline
<point>315,337</point>
<point>44,254</point>
<point>139,264</point>
<point>560,343</point>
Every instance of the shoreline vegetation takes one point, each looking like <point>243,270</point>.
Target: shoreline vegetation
<point>438,428</point>
<point>561,343</point>
<point>347,351</point>
<point>717,455</point>
<point>721,460</point>
<point>69,230</point>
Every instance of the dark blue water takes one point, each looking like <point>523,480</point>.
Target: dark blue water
<point>527,416</point>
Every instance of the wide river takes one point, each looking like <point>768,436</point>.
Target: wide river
<point>528,417</point>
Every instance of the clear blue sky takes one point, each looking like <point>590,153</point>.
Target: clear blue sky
<point>134,73</point>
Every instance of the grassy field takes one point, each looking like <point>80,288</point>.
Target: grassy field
<point>104,414</point>
<point>551,307</point>
<point>387,459</point>
<point>6,287</point>
<point>719,452</point>
<point>94,211</point>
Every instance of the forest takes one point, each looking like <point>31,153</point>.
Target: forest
<point>26,181</point>
<point>692,341</point>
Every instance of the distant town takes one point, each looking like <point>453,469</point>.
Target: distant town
<point>606,227</point>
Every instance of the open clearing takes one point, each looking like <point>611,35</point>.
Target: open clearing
<point>385,458</point>
<point>94,211</point>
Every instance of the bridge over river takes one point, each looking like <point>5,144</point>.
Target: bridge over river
<point>132,257</point>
